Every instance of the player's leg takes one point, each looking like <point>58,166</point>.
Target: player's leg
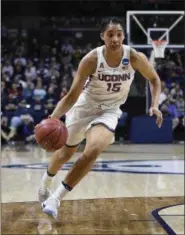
<point>59,158</point>
<point>99,134</point>
<point>98,139</point>
<point>76,132</point>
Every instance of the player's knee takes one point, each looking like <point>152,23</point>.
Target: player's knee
<point>64,153</point>
<point>93,150</point>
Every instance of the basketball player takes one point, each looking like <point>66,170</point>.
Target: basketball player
<point>100,86</point>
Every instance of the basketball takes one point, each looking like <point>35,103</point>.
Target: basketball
<point>51,134</point>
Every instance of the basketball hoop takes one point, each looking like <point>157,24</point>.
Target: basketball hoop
<point>159,48</point>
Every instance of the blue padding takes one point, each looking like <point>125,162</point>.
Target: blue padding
<point>145,130</point>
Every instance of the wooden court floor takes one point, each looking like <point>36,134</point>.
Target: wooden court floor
<point>132,189</point>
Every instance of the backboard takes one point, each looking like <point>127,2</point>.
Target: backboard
<point>144,26</point>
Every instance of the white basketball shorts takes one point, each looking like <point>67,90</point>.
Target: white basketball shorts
<point>81,118</point>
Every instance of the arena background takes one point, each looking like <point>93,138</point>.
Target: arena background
<point>137,185</point>
<point>42,44</point>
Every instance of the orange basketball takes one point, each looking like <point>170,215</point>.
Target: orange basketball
<point>51,134</point>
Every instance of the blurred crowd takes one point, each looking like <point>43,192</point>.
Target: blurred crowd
<point>171,102</point>
<point>35,75</point>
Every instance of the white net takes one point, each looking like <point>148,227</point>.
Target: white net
<point>159,48</point>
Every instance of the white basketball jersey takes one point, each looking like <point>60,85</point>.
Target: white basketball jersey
<point>109,87</point>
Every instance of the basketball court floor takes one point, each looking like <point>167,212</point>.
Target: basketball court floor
<point>132,189</point>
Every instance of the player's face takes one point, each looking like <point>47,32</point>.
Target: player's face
<point>113,37</point>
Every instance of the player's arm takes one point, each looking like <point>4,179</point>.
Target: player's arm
<point>86,67</point>
<point>140,63</point>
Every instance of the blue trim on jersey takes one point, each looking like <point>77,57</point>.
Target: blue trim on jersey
<point>72,146</point>
<point>103,124</point>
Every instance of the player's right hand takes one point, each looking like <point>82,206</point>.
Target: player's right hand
<point>159,115</point>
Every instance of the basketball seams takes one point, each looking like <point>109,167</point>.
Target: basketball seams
<point>47,142</point>
<point>58,136</point>
<point>50,145</point>
<point>41,125</point>
<point>48,134</point>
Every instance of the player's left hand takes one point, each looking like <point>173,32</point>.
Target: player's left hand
<point>159,115</point>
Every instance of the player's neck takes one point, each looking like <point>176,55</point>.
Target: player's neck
<point>112,55</point>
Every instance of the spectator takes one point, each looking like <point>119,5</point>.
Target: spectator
<point>30,71</point>
<point>8,68</point>
<point>63,92</point>
<point>38,109</point>
<point>53,73</point>
<point>21,108</point>
<point>19,72</point>
<point>5,130</point>
<point>177,91</point>
<point>27,92</point>
<point>49,106</point>
<point>180,106</point>
<point>21,127</point>
<point>164,95</point>
<point>20,60</point>
<point>39,91</point>
<point>67,47</point>
<point>28,128</point>
<point>15,91</point>
<point>168,108</point>
<point>4,93</point>
<point>51,94</point>
<point>54,64</point>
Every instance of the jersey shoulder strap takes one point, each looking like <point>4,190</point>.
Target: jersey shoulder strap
<point>100,60</point>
